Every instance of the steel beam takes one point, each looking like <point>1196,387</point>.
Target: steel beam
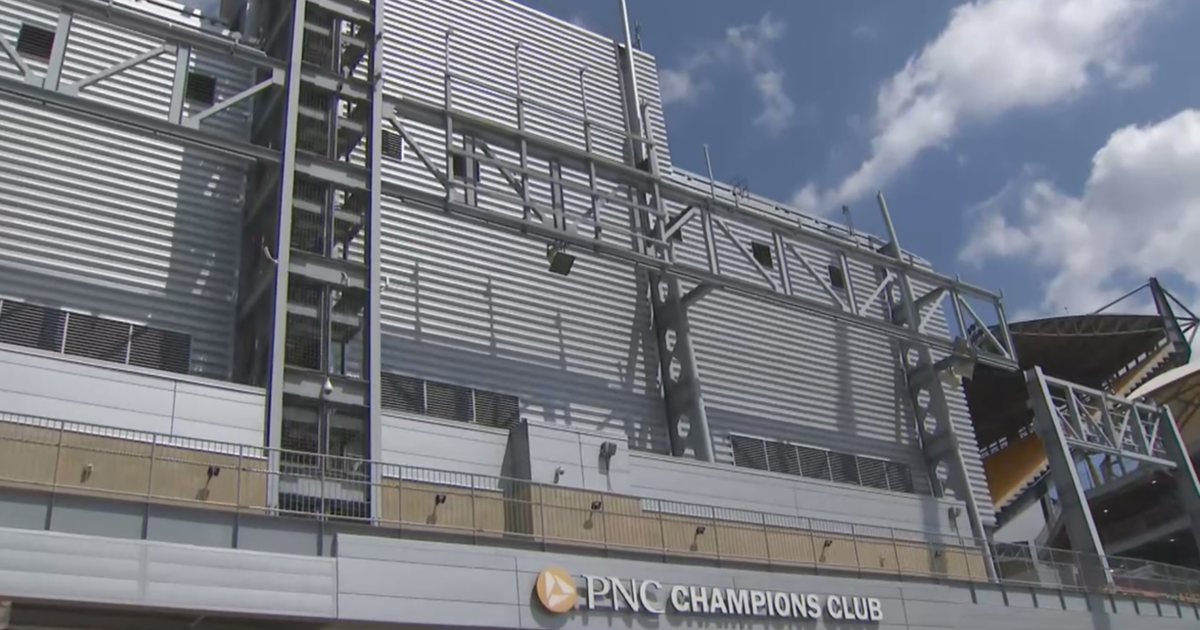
<point>1186,483</point>
<point>679,375</point>
<point>283,247</point>
<point>1072,498</point>
<point>358,178</point>
<point>374,234</point>
<point>939,442</point>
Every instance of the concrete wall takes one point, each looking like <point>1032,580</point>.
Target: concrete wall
<point>65,567</point>
<point>42,385</point>
<point>434,584</point>
<point>385,581</point>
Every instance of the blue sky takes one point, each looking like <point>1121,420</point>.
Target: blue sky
<point>1045,148</point>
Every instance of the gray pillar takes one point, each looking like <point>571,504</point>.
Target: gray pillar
<point>1075,512</point>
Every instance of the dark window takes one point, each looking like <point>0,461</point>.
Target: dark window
<point>52,330</point>
<point>782,458</point>
<point>449,402</point>
<point>873,473</point>
<point>899,477</point>
<point>403,393</point>
<point>458,167</point>
<point>201,88</point>
<point>393,145</point>
<point>816,463</point>
<point>749,452</point>
<point>497,410</point>
<point>160,350</point>
<point>96,338</point>
<point>35,42</point>
<point>762,254</point>
<point>32,326</point>
<point>837,279</point>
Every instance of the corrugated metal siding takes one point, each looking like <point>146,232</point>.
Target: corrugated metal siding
<point>774,372</point>
<point>470,305</point>
<point>126,227</point>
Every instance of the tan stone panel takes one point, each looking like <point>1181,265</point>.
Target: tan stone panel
<point>791,546</point>
<point>94,463</point>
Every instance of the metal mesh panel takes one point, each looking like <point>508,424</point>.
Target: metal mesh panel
<point>301,439</point>
<point>200,88</point>
<point>749,452</point>
<point>873,473</point>
<point>899,477</point>
<point>782,458</point>
<point>393,145</point>
<point>160,350</point>
<point>32,326</point>
<point>814,463</point>
<point>497,410</point>
<point>95,338</point>
<point>449,402</point>
<point>844,468</point>
<point>403,393</point>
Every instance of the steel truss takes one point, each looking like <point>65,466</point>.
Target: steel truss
<point>1077,423</point>
<point>336,184</point>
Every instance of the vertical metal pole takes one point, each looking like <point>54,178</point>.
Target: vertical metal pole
<point>374,367</point>
<point>282,253</point>
<point>942,445</point>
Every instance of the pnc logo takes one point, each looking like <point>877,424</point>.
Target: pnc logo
<point>556,590</point>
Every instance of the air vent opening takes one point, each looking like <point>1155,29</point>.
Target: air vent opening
<point>201,88</point>
<point>393,146</point>
<point>35,42</point>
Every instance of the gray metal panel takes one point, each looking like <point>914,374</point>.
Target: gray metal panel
<point>64,567</point>
<point>40,385</point>
<point>477,307</point>
<point>442,446</point>
<point>399,581</point>
<point>136,229</point>
<point>771,372</point>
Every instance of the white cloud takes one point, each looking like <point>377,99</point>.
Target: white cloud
<point>993,57</point>
<point>749,47</point>
<point>1137,216</point>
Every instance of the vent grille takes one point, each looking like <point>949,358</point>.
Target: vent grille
<point>449,402</point>
<point>53,330</point>
<point>815,463</point>
<point>200,88</point>
<point>35,42</point>
<point>393,145</point>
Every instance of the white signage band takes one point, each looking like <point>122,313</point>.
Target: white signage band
<point>647,596</point>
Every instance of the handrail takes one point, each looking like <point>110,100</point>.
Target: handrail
<point>71,458</point>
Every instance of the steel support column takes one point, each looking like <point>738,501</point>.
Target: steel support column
<point>935,427</point>
<point>1186,483</point>
<point>314,333</point>
<point>1072,500</point>
<point>687,420</point>
<point>280,244</point>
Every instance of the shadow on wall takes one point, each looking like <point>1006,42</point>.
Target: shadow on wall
<point>564,374</point>
<point>906,428</point>
<point>205,247</point>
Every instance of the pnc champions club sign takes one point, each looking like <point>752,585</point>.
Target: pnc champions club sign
<point>559,593</point>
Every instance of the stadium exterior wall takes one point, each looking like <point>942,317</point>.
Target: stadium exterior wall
<point>373,581</point>
<point>153,239</point>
